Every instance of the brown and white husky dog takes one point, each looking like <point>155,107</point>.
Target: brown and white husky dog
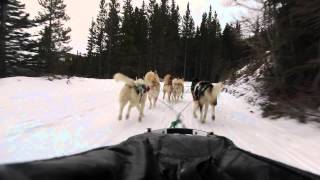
<point>167,86</point>
<point>153,82</point>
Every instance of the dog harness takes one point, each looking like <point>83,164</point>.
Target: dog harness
<point>199,89</point>
<point>141,89</point>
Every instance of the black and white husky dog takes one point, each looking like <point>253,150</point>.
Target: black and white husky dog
<point>204,93</point>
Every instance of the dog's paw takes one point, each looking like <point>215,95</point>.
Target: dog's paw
<point>140,118</point>
<point>120,118</point>
<point>203,121</point>
<point>213,117</point>
<point>195,116</point>
<point>127,116</point>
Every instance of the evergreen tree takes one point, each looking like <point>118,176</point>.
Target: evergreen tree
<point>91,39</point>
<point>234,48</point>
<point>128,49</point>
<point>141,38</point>
<point>113,34</point>
<point>187,34</point>
<point>213,45</point>
<point>141,30</point>
<point>101,37</point>
<point>101,28</point>
<point>15,43</point>
<point>91,54</point>
<point>129,38</point>
<point>292,29</point>
<point>55,37</point>
<point>173,35</point>
<point>204,46</point>
<point>163,43</point>
<point>154,32</point>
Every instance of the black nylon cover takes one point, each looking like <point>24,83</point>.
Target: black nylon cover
<point>159,156</point>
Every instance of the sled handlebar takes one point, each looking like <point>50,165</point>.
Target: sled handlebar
<point>184,131</point>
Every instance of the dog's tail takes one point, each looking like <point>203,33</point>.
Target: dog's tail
<point>123,78</point>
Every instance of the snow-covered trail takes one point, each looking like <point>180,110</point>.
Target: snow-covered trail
<point>43,119</point>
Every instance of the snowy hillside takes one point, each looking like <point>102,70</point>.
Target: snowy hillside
<point>43,119</point>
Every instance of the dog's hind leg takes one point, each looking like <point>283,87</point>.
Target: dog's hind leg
<point>128,112</point>
<point>122,105</point>
<point>139,107</point>
<point>201,113</point>
<point>213,112</point>
<point>142,108</point>
<point>195,108</point>
<point>206,106</point>
<point>150,101</point>
<point>155,101</point>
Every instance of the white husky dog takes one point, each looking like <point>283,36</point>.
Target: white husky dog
<point>204,93</point>
<point>134,93</point>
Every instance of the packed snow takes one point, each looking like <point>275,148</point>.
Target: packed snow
<point>42,119</point>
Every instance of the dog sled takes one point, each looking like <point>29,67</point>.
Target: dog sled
<point>174,153</point>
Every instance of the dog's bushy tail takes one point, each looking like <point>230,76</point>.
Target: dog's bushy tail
<point>123,78</point>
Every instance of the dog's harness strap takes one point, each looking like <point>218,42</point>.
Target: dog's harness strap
<point>141,89</point>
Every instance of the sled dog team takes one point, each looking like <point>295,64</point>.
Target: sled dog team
<point>136,92</point>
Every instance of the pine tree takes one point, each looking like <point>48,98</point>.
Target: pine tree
<point>15,43</point>
<point>101,37</point>
<point>128,37</point>
<point>154,32</point>
<point>233,46</point>
<point>212,45</point>
<point>127,29</point>
<point>91,39</point>
<point>113,33</point>
<point>204,39</point>
<point>56,36</point>
<point>187,24</point>
<point>187,34</point>
<point>141,38</point>
<point>142,27</point>
<point>173,33</point>
<point>164,58</point>
<point>101,27</point>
